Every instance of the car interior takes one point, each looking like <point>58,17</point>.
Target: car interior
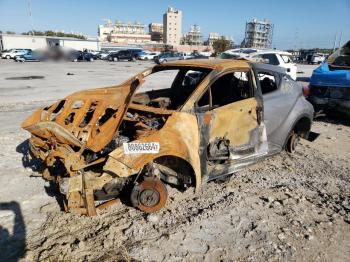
<point>227,89</point>
<point>182,84</point>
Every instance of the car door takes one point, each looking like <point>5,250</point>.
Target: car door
<point>231,126</point>
<point>121,55</point>
<point>279,99</point>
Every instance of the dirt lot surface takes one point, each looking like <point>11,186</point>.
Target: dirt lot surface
<point>289,207</point>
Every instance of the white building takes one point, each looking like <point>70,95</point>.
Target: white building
<point>213,36</point>
<point>40,42</point>
<point>172,26</point>
<point>194,36</point>
<point>120,32</point>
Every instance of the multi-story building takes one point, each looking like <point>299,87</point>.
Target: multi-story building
<point>212,38</point>
<point>258,34</point>
<point>156,31</point>
<point>194,36</point>
<point>172,24</point>
<point>120,32</point>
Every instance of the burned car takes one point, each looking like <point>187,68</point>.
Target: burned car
<point>214,118</point>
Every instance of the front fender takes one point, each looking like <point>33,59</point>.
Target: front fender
<point>179,137</point>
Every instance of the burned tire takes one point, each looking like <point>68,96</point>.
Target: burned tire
<point>292,142</point>
<point>150,195</point>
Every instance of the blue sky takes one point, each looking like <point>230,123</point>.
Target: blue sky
<point>298,23</point>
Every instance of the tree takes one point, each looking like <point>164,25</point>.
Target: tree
<point>52,33</point>
<point>221,45</point>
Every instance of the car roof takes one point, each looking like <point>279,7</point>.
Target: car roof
<point>219,64</point>
<point>271,51</point>
<point>274,68</point>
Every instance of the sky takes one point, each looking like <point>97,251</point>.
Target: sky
<point>297,23</point>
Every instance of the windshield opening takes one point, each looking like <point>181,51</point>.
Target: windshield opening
<point>169,88</point>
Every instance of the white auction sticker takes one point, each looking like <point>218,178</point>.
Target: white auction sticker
<point>141,148</point>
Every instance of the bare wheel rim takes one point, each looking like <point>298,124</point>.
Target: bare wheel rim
<point>150,195</point>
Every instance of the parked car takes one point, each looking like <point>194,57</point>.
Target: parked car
<point>129,54</point>
<point>168,56</point>
<point>103,55</point>
<point>278,58</point>
<point>12,53</point>
<point>31,56</point>
<point>228,55</point>
<point>239,52</point>
<point>196,55</point>
<point>329,88</point>
<point>316,58</point>
<point>148,55</point>
<point>213,118</point>
<point>82,56</point>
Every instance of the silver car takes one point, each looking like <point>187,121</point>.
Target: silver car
<point>213,118</point>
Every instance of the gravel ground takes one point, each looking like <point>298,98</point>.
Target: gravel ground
<point>288,207</point>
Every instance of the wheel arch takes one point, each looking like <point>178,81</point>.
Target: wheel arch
<point>302,126</point>
<point>178,164</point>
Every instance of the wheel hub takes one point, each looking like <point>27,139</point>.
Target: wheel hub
<point>150,195</point>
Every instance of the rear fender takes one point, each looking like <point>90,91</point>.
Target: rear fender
<point>179,137</point>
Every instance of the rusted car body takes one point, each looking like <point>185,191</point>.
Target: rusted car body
<point>212,121</point>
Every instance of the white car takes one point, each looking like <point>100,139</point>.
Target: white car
<point>317,58</point>
<point>12,53</point>
<point>239,52</point>
<point>148,55</point>
<point>278,58</point>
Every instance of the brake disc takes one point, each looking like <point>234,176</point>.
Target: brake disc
<point>150,195</point>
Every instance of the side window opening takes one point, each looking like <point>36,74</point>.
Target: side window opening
<point>268,82</point>
<point>231,88</point>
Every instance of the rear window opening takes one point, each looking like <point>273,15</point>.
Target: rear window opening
<point>268,82</point>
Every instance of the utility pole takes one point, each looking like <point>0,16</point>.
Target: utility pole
<point>30,15</point>
<point>335,41</point>
<point>341,34</point>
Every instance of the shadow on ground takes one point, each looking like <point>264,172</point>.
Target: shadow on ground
<point>27,161</point>
<point>12,245</point>
<point>334,119</point>
<point>303,79</point>
<point>37,166</point>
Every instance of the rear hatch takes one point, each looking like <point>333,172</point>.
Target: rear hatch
<point>88,118</point>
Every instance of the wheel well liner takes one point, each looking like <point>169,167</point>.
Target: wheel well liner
<point>303,126</point>
<point>179,165</point>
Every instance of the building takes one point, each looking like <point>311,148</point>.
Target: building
<point>125,33</point>
<point>41,42</point>
<point>172,26</point>
<point>258,34</point>
<point>194,36</point>
<point>156,31</point>
<point>212,38</point>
